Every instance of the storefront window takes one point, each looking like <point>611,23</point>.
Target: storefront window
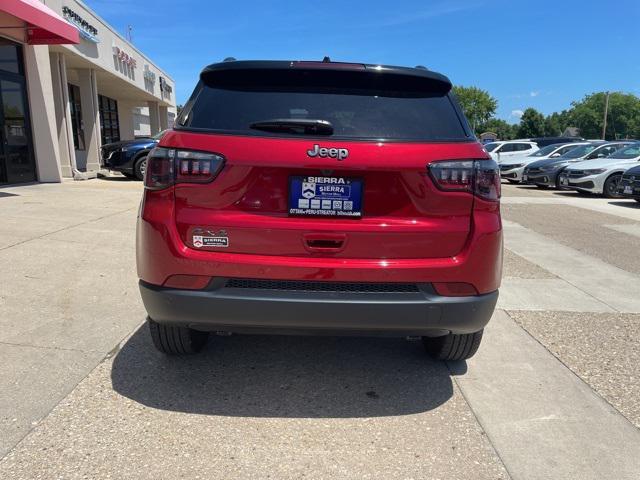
<point>76,117</point>
<point>10,57</point>
<point>109,123</point>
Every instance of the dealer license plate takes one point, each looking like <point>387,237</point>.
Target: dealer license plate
<point>325,196</point>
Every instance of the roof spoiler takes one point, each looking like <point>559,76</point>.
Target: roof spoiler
<point>301,74</point>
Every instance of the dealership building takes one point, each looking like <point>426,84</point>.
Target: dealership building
<point>69,83</point>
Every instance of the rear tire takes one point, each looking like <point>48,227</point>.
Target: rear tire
<point>610,186</point>
<point>174,340</point>
<point>140,167</point>
<point>453,346</point>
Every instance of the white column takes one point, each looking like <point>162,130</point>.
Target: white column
<point>90,117</point>
<point>125,120</point>
<point>43,116</point>
<point>63,115</point>
<point>154,117</point>
<point>164,118</point>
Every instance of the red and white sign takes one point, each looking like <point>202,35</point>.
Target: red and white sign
<point>124,57</point>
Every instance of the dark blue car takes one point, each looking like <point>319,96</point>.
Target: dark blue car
<point>129,157</point>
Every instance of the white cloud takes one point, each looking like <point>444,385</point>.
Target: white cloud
<point>517,113</point>
<point>534,93</point>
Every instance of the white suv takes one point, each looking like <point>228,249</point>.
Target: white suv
<point>502,150</point>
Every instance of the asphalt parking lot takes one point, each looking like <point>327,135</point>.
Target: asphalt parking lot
<point>554,391</point>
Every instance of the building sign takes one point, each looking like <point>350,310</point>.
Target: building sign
<point>149,75</point>
<point>124,57</point>
<point>165,87</point>
<point>86,30</point>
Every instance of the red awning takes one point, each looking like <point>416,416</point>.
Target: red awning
<point>43,26</point>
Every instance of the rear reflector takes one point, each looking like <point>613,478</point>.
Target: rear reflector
<point>165,167</point>
<point>480,177</point>
<point>455,289</point>
<point>187,282</point>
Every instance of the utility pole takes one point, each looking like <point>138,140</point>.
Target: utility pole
<point>606,110</point>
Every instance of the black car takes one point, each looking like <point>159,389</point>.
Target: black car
<point>544,141</point>
<point>545,173</point>
<point>129,157</point>
<point>629,185</point>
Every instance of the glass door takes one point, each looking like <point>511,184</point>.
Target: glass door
<point>16,156</point>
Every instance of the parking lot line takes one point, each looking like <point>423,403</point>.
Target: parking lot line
<point>610,285</point>
<point>543,421</point>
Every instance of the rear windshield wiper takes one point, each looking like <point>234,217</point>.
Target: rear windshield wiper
<point>295,125</point>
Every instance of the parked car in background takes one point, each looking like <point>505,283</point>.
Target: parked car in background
<point>544,141</point>
<point>601,176</point>
<point>629,185</point>
<point>500,151</point>
<point>129,157</point>
<point>513,168</point>
<point>545,173</point>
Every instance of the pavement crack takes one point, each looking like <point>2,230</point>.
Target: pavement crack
<point>12,344</point>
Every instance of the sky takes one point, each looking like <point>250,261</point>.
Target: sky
<point>541,54</point>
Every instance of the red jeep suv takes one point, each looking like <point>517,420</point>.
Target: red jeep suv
<point>301,197</point>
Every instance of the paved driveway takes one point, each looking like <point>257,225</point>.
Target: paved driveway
<point>553,392</point>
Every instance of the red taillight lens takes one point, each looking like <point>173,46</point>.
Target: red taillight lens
<point>455,289</point>
<point>159,173</point>
<point>166,166</point>
<point>197,167</point>
<point>456,175</point>
<point>480,177</point>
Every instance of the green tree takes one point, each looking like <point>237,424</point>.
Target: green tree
<point>623,119</point>
<point>503,129</point>
<point>531,124</point>
<point>478,106</point>
<point>556,123</point>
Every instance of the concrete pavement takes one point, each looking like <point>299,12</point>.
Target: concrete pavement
<point>84,395</point>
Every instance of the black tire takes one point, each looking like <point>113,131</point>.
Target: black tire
<point>173,340</point>
<point>140,167</point>
<point>453,346</point>
<point>610,186</point>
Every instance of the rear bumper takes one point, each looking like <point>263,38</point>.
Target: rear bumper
<point>219,308</point>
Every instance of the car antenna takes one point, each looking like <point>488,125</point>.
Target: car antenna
<point>326,59</point>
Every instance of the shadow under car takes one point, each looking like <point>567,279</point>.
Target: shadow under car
<point>285,377</point>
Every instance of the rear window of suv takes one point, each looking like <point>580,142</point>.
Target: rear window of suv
<point>355,111</point>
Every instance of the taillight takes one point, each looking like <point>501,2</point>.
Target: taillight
<point>168,166</point>
<point>480,177</point>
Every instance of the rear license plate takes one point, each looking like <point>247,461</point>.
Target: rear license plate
<point>325,196</point>
<point>628,190</point>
